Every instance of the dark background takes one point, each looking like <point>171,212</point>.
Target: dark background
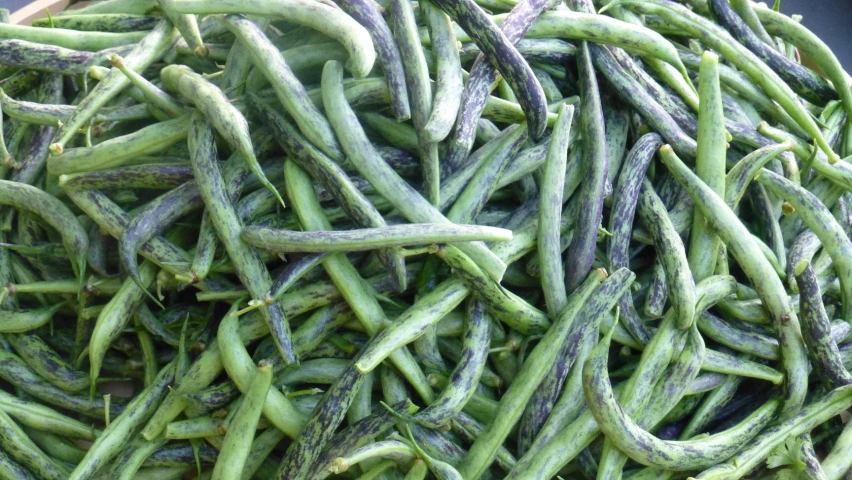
<point>830,19</point>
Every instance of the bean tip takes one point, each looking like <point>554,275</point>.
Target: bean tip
<point>117,61</point>
<point>339,465</point>
<point>201,51</point>
<point>787,208</point>
<point>56,148</point>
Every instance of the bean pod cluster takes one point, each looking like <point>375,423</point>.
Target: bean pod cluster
<point>449,239</point>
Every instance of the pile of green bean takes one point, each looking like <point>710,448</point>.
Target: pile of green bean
<point>449,239</point>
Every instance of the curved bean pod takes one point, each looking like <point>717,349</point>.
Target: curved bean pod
<point>670,250</point>
<point>448,79</point>
<point>816,329</point>
<point>55,213</point>
<point>820,220</point>
<point>467,372</point>
<point>648,449</point>
<point>318,16</point>
<point>19,321</point>
<point>115,316</point>
<point>223,116</point>
<point>738,240</point>
<point>151,220</point>
<point>741,174</point>
<point>761,446</point>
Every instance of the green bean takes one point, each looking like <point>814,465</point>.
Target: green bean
<point>253,274</point>
<point>499,47</point>
<point>496,151</point>
<point>805,420</point>
<point>117,23</point>
<point>42,418</point>
<point>290,92</point>
<point>550,211</point>
<point>503,305</point>
<point>146,52</point>
<point>48,363</point>
<point>223,116</point>
<point>74,40</point>
<point>836,463</point>
<point>127,464</point>
<point>114,220</point>
<point>114,317</point>
<point>10,469</point>
<point>709,165</point>
<point>759,271</point>
<point>591,27</point>
<point>369,238</point>
<point>420,93</point>
<point>741,174</point>
<point>649,450</point>
<point>324,420</point>
<point>238,440</point>
<point>418,470</point>
<point>670,250</point>
<point>448,82</point>
<point>53,115</point>
<point>187,25</point>
<point>816,329</point>
<point>156,176</point>
<point>387,182</point>
<point>336,182</point>
<point>198,427</point>
<point>20,321</point>
<point>328,20</point>
<point>482,185</point>
<point>363,303</point>
<point>749,342</point>
<point>667,394</point>
<point>122,150</point>
<point>580,254</point>
<point>810,45</point>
